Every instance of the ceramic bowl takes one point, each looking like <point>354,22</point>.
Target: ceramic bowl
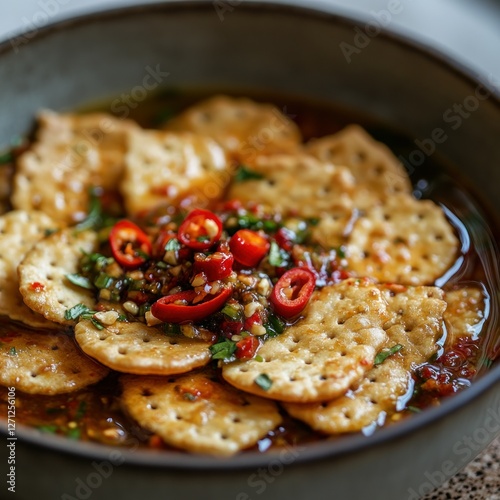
<point>302,51</point>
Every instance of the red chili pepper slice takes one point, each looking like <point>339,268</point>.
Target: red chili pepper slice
<point>178,308</point>
<point>248,247</point>
<point>200,229</point>
<point>130,245</point>
<point>247,347</point>
<point>292,292</point>
<point>216,266</point>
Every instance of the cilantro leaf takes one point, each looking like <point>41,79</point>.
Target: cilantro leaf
<point>79,280</point>
<point>385,353</point>
<point>76,311</point>
<point>223,350</point>
<point>263,381</point>
<point>243,173</point>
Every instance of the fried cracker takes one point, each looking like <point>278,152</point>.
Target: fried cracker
<point>377,171</point>
<point>71,154</point>
<point>47,265</point>
<point>324,353</point>
<point>199,413</point>
<point>19,231</point>
<point>140,349</point>
<point>464,315</point>
<point>164,167</point>
<point>405,241</point>
<point>242,127</point>
<point>415,323</point>
<point>45,363</point>
<point>298,184</point>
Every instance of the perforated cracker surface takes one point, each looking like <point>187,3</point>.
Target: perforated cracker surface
<point>47,264</point>
<point>164,167</point>
<point>378,173</point>
<point>45,363</point>
<point>19,231</point>
<point>323,354</point>
<point>241,126</point>
<point>71,154</point>
<point>199,413</point>
<point>140,349</point>
<point>404,241</point>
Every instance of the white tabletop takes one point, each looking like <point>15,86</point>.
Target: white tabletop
<point>467,30</point>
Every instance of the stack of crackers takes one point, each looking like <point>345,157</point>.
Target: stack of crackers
<point>324,369</point>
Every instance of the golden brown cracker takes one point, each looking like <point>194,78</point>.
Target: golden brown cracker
<point>298,184</point>
<point>415,324</point>
<point>377,171</point>
<point>323,354</point>
<point>45,363</point>
<point>140,349</point>
<point>405,241</point>
<point>164,167</point>
<point>19,231</point>
<point>71,154</point>
<point>199,413</point>
<point>244,128</point>
<point>42,274</point>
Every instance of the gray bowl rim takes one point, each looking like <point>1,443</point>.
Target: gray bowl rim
<point>323,450</point>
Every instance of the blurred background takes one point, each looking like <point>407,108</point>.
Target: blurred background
<point>465,29</point>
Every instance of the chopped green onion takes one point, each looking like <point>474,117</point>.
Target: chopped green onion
<point>171,329</point>
<point>223,350</point>
<point>277,256</point>
<point>263,381</point>
<point>96,324</point>
<point>103,281</point>
<point>385,353</point>
<point>81,281</point>
<point>231,311</point>
<point>12,351</point>
<point>189,397</point>
<point>243,173</point>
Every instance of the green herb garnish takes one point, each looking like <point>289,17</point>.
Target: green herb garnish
<point>12,351</point>
<point>173,244</point>
<point>277,256</point>
<point>6,157</point>
<point>79,280</point>
<point>385,353</point>
<point>275,326</point>
<point>230,311</point>
<point>263,381</point>
<point>189,397</point>
<point>243,173</point>
<point>76,311</point>
<point>223,350</point>
<point>96,218</point>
